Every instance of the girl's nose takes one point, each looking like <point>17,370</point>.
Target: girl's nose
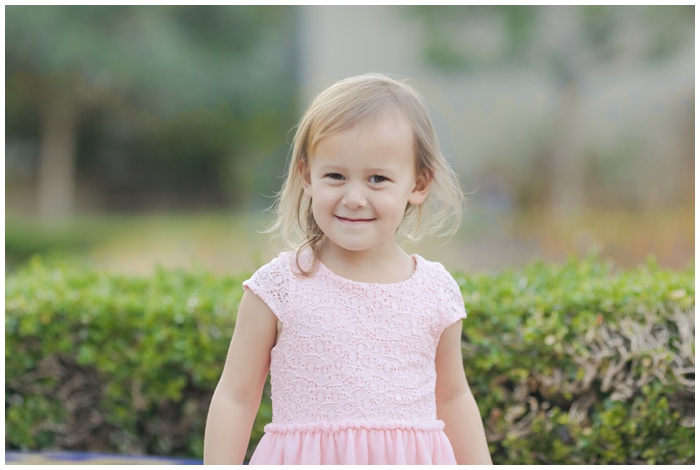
<point>354,197</point>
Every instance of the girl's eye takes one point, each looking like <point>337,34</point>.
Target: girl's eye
<point>334,176</point>
<point>377,179</point>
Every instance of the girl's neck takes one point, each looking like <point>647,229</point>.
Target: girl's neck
<point>388,265</point>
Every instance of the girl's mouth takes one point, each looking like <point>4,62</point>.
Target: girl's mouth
<point>352,220</point>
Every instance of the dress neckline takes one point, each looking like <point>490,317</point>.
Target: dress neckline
<point>417,261</point>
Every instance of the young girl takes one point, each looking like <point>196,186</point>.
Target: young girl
<point>363,341</point>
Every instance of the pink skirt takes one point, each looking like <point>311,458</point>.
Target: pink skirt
<point>358,445</point>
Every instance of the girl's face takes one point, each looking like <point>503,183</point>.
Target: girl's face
<point>360,182</point>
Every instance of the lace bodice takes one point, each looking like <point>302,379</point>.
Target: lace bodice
<point>353,353</point>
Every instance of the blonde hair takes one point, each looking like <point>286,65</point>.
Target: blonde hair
<point>336,109</point>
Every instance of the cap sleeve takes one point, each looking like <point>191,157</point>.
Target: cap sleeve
<point>271,284</point>
<point>451,305</point>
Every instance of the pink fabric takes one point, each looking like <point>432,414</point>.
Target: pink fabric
<point>359,446</point>
<point>353,372</point>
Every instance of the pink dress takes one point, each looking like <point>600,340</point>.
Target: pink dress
<point>353,372</point>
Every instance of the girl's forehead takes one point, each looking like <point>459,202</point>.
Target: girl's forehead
<point>383,144</point>
<point>389,122</point>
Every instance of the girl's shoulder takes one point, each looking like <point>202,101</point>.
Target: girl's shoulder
<point>270,283</point>
<point>279,263</point>
<point>275,270</point>
<point>434,270</point>
<point>443,290</point>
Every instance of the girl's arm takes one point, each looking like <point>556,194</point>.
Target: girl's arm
<point>455,403</point>
<point>237,396</point>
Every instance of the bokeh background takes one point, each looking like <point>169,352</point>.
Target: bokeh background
<point>139,136</point>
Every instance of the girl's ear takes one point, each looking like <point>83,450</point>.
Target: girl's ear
<point>303,169</point>
<point>420,190</point>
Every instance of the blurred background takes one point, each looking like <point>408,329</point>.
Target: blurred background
<point>139,136</point>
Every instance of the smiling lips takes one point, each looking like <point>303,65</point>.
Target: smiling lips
<point>352,220</point>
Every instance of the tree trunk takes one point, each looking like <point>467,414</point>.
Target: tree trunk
<point>57,157</point>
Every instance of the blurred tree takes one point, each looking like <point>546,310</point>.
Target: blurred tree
<point>169,63</point>
<point>568,42</point>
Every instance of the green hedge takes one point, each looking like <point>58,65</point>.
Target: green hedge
<point>578,364</point>
<point>570,364</point>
